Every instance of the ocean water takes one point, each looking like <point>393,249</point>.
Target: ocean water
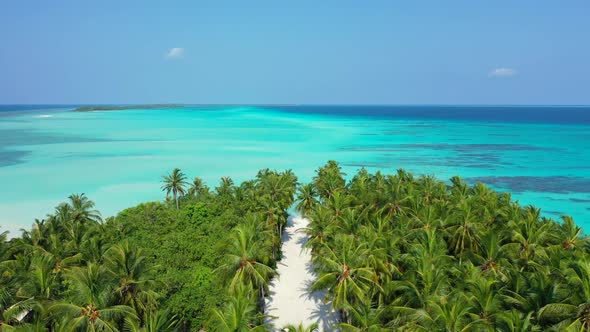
<point>47,152</point>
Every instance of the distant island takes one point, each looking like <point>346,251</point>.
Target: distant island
<point>124,107</point>
<point>91,108</point>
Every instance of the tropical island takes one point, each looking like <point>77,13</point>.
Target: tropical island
<point>91,108</point>
<point>389,252</point>
<point>125,107</point>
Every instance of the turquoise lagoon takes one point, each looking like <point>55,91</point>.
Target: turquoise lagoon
<point>117,158</point>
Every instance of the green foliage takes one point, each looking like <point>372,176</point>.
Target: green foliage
<point>301,328</point>
<point>154,267</point>
<point>174,183</point>
<point>397,252</point>
<point>237,315</point>
<point>393,252</point>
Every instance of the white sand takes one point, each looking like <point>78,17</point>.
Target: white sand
<point>290,301</point>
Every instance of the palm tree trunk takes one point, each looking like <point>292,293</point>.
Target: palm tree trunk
<point>176,199</point>
<point>261,300</point>
<point>347,317</point>
<point>273,252</point>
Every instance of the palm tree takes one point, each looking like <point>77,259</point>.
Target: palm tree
<point>239,315</point>
<point>450,314</point>
<point>245,262</point>
<point>492,256</point>
<point>320,228</point>
<point>135,282</point>
<point>577,312</point>
<point>153,321</point>
<point>349,220</point>
<point>463,232</point>
<point>485,298</point>
<point>338,202</point>
<point>226,186</point>
<point>41,282</point>
<point>175,182</point>
<point>314,327</point>
<point>279,187</point>
<point>572,235</point>
<point>197,186</point>
<point>427,218</point>
<point>344,275</point>
<point>307,199</point>
<point>529,235</point>
<point>83,209</point>
<point>271,211</point>
<point>91,306</point>
<point>226,190</point>
<point>366,319</point>
<point>424,266</point>
<point>329,179</point>
<point>515,321</point>
<point>459,189</point>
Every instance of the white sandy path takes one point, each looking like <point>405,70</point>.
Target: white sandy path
<point>290,301</point>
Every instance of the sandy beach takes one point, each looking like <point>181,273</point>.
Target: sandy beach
<point>290,301</point>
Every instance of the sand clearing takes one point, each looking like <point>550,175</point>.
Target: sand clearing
<point>290,301</point>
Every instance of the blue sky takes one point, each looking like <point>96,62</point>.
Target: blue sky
<point>307,52</point>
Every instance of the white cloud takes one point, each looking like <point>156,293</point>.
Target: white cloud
<point>175,53</point>
<point>502,72</point>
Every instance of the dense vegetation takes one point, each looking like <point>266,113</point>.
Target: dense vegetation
<point>392,252</point>
<point>395,252</point>
<point>202,259</point>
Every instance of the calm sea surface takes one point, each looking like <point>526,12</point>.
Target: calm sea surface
<point>540,154</point>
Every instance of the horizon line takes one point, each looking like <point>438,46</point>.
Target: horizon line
<point>286,104</point>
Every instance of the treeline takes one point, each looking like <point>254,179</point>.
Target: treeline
<point>393,253</point>
<point>404,253</point>
<point>200,260</point>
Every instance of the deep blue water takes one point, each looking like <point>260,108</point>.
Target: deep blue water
<point>512,114</point>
